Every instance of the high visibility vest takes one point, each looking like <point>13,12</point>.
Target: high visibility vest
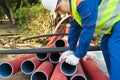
<point>108,14</point>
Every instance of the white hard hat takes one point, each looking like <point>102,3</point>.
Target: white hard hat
<point>50,5</point>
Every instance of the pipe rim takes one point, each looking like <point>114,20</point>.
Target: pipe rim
<point>42,59</point>
<point>64,72</point>
<point>55,44</point>
<point>33,65</point>
<point>39,71</point>
<point>54,62</point>
<point>11,73</point>
<point>78,75</point>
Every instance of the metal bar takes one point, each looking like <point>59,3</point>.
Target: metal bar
<point>42,50</point>
<point>46,35</point>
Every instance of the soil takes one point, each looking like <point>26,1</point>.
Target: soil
<point>13,42</point>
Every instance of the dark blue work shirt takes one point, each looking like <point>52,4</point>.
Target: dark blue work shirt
<point>83,34</point>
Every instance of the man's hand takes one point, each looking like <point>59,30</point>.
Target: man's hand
<point>65,54</point>
<point>72,60</point>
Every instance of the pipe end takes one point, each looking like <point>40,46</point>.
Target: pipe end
<point>67,69</point>
<point>42,56</point>
<point>6,70</point>
<point>28,67</point>
<point>39,75</point>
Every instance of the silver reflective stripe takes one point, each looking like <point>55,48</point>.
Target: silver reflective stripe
<point>116,12</point>
<point>101,10</point>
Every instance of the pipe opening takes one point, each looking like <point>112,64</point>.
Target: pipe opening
<point>60,43</point>
<point>27,67</point>
<point>6,70</point>
<point>39,76</point>
<point>41,56</point>
<point>54,57</point>
<point>68,69</point>
<point>78,77</point>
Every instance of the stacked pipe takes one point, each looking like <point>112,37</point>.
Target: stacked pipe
<point>45,66</point>
<point>43,72</point>
<point>7,69</point>
<point>28,66</point>
<point>63,42</point>
<point>93,70</point>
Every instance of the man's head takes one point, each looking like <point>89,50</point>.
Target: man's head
<point>58,6</point>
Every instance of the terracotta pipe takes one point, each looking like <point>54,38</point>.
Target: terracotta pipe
<point>28,66</point>
<point>42,56</point>
<point>63,42</point>
<point>79,75</point>
<point>67,69</point>
<point>52,39</point>
<point>57,74</point>
<point>93,70</point>
<point>43,72</point>
<point>54,57</point>
<point>57,26</point>
<point>7,69</point>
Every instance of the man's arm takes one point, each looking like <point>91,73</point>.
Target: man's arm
<point>88,11</point>
<point>74,34</point>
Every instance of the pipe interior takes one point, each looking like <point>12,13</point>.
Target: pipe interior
<point>78,78</point>
<point>59,43</point>
<point>54,57</point>
<point>39,76</point>
<point>28,67</point>
<point>68,69</point>
<point>5,70</point>
<point>41,56</point>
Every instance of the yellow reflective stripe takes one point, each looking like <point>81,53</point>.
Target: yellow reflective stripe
<point>108,31</point>
<point>108,10</point>
<point>100,4</point>
<point>75,14</point>
<point>101,9</point>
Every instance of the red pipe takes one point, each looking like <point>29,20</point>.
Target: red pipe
<point>54,38</point>
<point>43,72</point>
<point>93,70</point>
<point>28,66</point>
<point>63,42</point>
<point>54,57</point>
<point>13,66</point>
<point>57,26</point>
<point>57,75</point>
<point>42,56</point>
<point>79,75</point>
<point>67,69</point>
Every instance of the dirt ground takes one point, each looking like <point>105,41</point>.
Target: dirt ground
<point>11,42</point>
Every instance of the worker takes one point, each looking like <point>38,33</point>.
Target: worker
<point>88,16</point>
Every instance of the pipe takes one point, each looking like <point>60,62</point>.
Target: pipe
<point>63,42</point>
<point>57,75</point>
<point>42,56</point>
<point>60,43</point>
<point>28,66</point>
<point>43,50</point>
<point>52,39</point>
<point>93,70</point>
<point>43,72</point>
<point>54,57</point>
<point>44,35</point>
<point>57,26</point>
<point>7,69</point>
<point>79,75</point>
<point>67,69</point>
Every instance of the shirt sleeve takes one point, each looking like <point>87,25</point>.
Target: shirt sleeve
<point>88,12</point>
<point>74,34</point>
